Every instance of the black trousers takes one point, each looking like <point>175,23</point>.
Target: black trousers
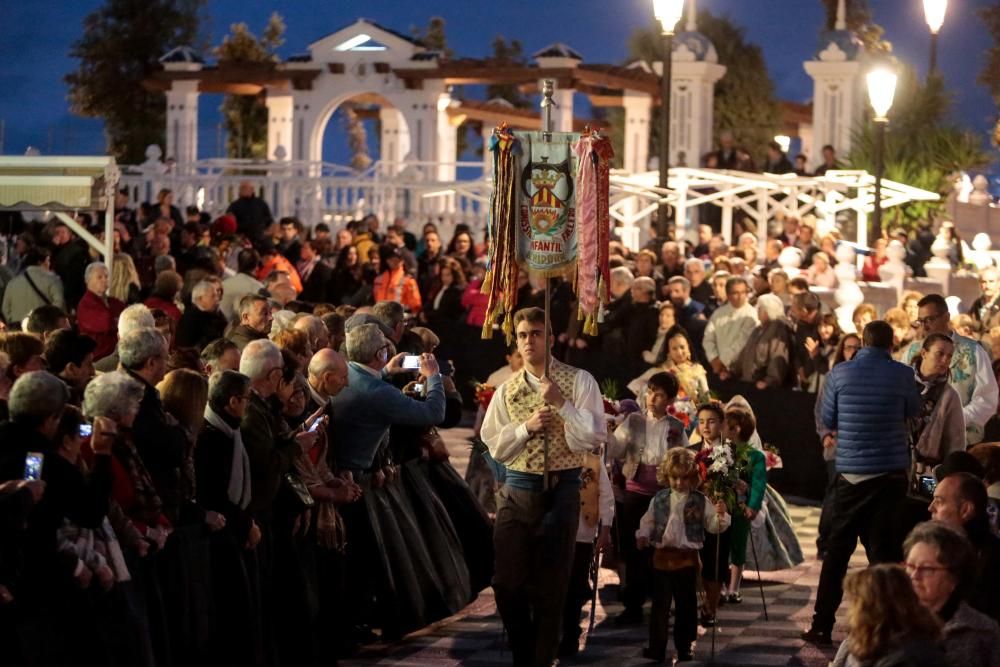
<point>638,562</point>
<point>578,592</point>
<point>865,510</point>
<point>534,538</point>
<point>677,586</point>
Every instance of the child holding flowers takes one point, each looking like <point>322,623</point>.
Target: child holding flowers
<point>715,551</point>
<point>750,486</point>
<point>676,523</point>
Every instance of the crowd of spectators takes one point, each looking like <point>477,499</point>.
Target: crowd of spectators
<point>235,455</point>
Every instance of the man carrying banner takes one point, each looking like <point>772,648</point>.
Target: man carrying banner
<point>532,414</point>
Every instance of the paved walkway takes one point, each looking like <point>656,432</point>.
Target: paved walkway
<point>743,638</point>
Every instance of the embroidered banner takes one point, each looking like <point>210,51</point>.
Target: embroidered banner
<point>547,243</point>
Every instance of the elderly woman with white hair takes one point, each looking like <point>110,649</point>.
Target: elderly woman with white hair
<point>97,313</point>
<point>116,396</point>
<point>766,357</point>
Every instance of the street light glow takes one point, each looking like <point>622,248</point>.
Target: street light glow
<point>668,13</point>
<point>881,89</point>
<point>934,11</point>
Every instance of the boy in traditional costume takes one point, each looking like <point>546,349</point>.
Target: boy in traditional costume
<point>675,524</point>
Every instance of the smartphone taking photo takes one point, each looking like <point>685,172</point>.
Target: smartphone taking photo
<point>33,466</point>
<point>86,430</point>
<point>411,362</point>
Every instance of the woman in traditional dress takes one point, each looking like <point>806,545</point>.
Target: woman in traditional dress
<point>677,360</point>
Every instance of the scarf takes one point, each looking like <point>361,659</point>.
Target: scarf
<point>930,393</point>
<point>239,473</point>
<point>330,530</point>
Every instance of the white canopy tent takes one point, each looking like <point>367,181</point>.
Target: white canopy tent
<point>62,185</point>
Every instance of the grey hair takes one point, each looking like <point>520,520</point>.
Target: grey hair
<point>137,347</point>
<point>114,395</point>
<point>164,263</point>
<point>693,261</point>
<point>645,283</point>
<point>621,274</point>
<point>389,312</point>
<point>771,305</point>
<point>364,342</point>
<point>281,320</point>
<point>225,385</point>
<point>36,395</point>
<point>955,552</point>
<point>259,358</point>
<point>91,268</point>
<point>202,288</point>
<point>136,316</point>
<point>247,302</point>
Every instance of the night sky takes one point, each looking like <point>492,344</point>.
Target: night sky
<point>35,37</point>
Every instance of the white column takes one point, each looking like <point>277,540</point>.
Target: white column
<point>395,142</point>
<point>692,108</point>
<point>182,122</point>
<point>446,151</point>
<point>280,127</point>
<point>562,115</point>
<point>638,110</point>
<point>838,102</point>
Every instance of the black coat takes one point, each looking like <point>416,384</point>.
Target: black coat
<point>213,459</point>
<point>317,287</point>
<point>271,454</point>
<point>253,216</point>
<point>161,444</point>
<point>197,328</point>
<point>69,261</point>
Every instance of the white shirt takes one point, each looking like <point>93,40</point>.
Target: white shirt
<point>654,449</point>
<point>728,331</point>
<point>584,418</point>
<point>605,505</point>
<point>984,397</point>
<point>674,534</point>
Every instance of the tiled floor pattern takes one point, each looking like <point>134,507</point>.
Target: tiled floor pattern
<point>743,638</point>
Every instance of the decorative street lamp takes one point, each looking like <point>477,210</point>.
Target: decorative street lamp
<point>668,13</point>
<point>881,89</point>
<point>934,11</point>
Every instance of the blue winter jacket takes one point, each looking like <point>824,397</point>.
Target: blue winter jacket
<point>867,401</point>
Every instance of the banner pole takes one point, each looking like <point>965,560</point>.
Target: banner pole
<point>548,86</point>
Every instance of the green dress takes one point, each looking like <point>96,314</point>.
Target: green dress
<point>753,471</point>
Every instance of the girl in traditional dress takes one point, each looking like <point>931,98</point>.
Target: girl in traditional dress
<point>676,358</point>
<point>772,542</point>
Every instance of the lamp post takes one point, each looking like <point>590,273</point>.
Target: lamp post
<point>881,89</point>
<point>934,11</point>
<point>668,13</point>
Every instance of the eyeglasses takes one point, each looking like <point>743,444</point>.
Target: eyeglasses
<point>921,571</point>
<point>925,321</point>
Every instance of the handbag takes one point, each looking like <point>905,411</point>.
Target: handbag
<point>297,492</point>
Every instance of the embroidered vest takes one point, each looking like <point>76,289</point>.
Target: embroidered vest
<point>590,490</point>
<point>694,515</point>
<point>962,377</point>
<point>521,402</point>
<point>636,448</point>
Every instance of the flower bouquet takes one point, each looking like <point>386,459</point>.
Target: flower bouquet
<point>719,472</point>
<point>484,394</point>
<point>772,460</point>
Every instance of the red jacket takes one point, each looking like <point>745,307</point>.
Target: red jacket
<point>168,307</point>
<point>397,286</point>
<point>98,318</point>
<point>476,302</point>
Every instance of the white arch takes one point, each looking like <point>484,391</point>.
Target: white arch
<point>316,127</point>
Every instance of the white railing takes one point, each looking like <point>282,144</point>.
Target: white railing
<point>458,192</point>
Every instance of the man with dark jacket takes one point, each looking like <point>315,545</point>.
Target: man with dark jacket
<point>866,402</point>
<point>202,321</point>
<point>69,260</point>
<point>252,213</point>
<point>254,321</point>
<point>631,328</point>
